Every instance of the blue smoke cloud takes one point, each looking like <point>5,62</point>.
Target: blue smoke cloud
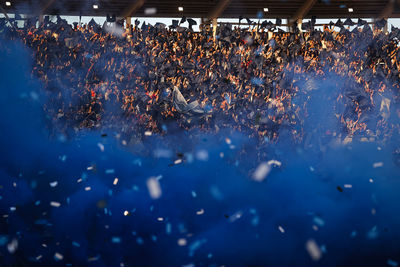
<point>210,211</point>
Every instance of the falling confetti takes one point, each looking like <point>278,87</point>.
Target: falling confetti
<point>377,164</point>
<point>154,188</point>
<point>313,250</point>
<point>55,204</point>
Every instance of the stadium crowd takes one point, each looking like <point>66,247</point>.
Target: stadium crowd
<point>256,80</point>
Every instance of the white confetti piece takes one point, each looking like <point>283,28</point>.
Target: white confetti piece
<point>154,188</point>
<point>348,186</point>
<point>182,242</point>
<point>202,155</point>
<point>377,164</point>
<point>88,188</point>
<point>115,181</point>
<point>264,169</point>
<point>55,204</point>
<point>236,216</point>
<point>58,256</point>
<point>54,184</point>
<point>313,250</point>
<point>101,146</point>
<point>160,219</point>
<point>148,133</point>
<point>281,229</point>
<point>126,213</point>
<point>178,161</point>
<point>261,172</point>
<point>150,11</point>
<point>200,212</point>
<point>12,246</point>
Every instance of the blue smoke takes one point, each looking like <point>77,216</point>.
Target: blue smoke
<point>210,212</point>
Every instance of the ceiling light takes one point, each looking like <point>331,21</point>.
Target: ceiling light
<point>351,10</point>
<point>266,9</point>
<point>8,3</point>
<point>180,8</point>
<point>95,6</point>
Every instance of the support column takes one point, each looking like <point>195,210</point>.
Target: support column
<point>373,24</point>
<point>214,23</point>
<point>128,21</point>
<point>288,27</point>
<point>385,29</point>
<point>299,23</point>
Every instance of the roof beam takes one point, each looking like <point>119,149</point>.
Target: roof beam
<point>44,8</point>
<point>218,9</point>
<point>132,9</point>
<point>388,10</point>
<point>303,10</point>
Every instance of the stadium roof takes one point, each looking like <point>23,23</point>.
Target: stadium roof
<point>293,9</point>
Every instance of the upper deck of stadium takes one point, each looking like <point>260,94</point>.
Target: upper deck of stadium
<point>286,9</point>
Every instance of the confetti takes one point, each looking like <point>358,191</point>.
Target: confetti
<point>377,164</point>
<point>313,250</point>
<point>200,212</point>
<point>202,155</point>
<point>154,188</point>
<point>12,246</point>
<point>58,256</point>
<point>182,242</point>
<point>261,172</point>
<point>264,169</point>
<point>150,11</point>
<point>101,146</point>
<point>55,204</point>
